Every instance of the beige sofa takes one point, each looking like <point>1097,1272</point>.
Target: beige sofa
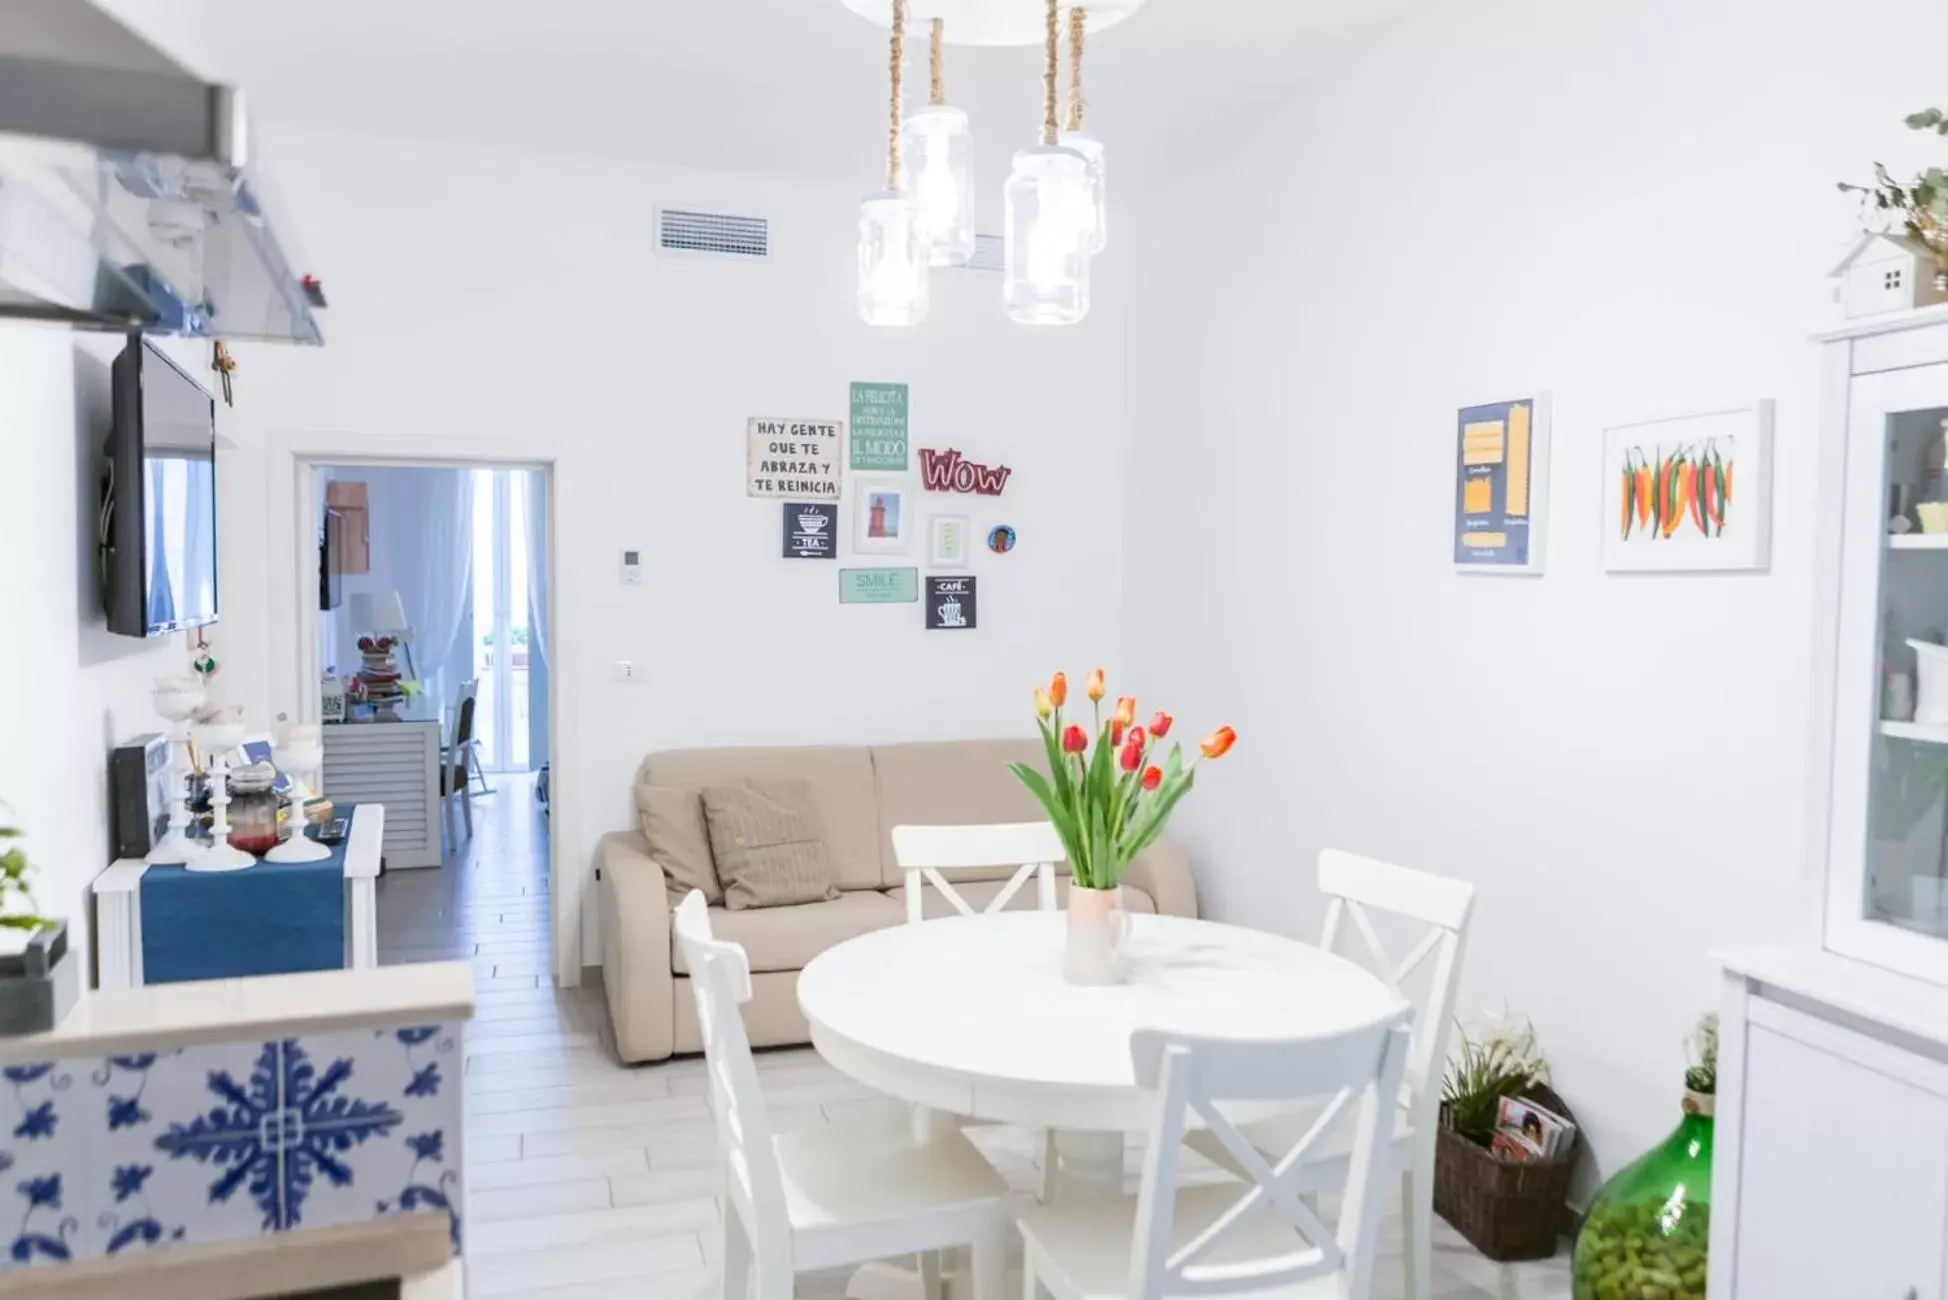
<point>861,793</point>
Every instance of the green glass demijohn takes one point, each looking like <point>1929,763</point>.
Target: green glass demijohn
<point>1648,1231</point>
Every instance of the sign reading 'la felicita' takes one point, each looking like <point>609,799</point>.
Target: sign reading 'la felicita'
<point>794,458</point>
<point>879,427</point>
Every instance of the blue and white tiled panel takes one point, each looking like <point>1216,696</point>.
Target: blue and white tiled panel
<point>236,1140</point>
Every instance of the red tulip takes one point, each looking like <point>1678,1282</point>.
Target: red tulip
<point>1126,709</point>
<point>1074,739</point>
<point>1132,756</point>
<point>1160,725</point>
<point>1219,742</point>
<point>1116,735</point>
<point>1152,777</point>
<point>1137,737</point>
<point>1058,690</point>
<point>1092,686</point>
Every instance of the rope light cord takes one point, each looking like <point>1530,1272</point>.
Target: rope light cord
<point>1076,18</point>
<point>937,64</point>
<point>1051,63</point>
<point>896,70</point>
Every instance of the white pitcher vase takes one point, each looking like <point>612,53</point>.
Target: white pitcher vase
<point>1098,928</point>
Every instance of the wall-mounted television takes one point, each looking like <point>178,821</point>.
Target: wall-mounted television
<point>158,523</point>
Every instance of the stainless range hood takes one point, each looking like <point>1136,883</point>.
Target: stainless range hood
<point>128,197</point>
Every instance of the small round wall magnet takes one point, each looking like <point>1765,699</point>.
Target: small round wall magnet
<point>1001,539</point>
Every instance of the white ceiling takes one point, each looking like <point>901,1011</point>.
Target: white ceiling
<point>788,87</point>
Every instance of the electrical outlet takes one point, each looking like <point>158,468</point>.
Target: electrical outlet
<point>625,671</point>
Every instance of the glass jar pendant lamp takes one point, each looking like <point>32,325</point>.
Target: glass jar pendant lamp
<point>1046,268</point>
<point>939,150</point>
<point>893,252</point>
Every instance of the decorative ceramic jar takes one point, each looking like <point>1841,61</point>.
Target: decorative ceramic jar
<point>1647,1231</point>
<point>1098,927</point>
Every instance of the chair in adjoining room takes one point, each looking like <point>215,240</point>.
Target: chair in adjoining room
<point>1262,1237</point>
<point>1354,887</point>
<point>845,1192</point>
<point>460,760</point>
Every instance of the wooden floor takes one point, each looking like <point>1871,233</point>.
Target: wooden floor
<point>590,1180</point>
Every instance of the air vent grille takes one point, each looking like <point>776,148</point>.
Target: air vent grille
<point>712,234</point>
<point>987,253</point>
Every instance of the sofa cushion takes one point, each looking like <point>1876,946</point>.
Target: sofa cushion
<point>786,938</point>
<point>979,893</point>
<point>767,844</point>
<point>672,821</point>
<point>840,780</point>
<point>952,783</point>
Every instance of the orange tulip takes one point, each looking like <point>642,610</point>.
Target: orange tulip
<point>1126,709</point>
<point>1074,739</point>
<point>1058,690</point>
<point>1219,742</point>
<point>1092,686</point>
<point>1115,735</point>
<point>1152,777</point>
<point>1160,725</point>
<point>1043,705</point>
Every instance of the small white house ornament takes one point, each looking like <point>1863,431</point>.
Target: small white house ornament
<point>1888,272</point>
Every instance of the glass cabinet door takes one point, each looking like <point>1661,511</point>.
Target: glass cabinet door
<point>1887,884</point>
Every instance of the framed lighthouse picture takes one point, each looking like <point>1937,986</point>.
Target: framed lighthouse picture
<point>882,515</point>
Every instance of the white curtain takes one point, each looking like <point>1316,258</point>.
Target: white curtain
<point>433,520</point>
<point>537,543</point>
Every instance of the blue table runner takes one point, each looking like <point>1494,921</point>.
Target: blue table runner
<point>269,919</point>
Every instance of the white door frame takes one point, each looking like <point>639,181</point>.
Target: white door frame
<point>290,455</point>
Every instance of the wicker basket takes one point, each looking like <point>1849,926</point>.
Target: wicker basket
<point>1508,1211</point>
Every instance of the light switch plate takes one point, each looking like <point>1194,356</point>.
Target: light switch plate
<point>632,567</point>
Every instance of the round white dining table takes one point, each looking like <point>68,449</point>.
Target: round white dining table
<point>972,1016</point>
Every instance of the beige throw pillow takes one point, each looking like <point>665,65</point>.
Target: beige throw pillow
<point>672,821</point>
<point>768,845</point>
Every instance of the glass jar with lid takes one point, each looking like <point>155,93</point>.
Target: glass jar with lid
<point>253,808</point>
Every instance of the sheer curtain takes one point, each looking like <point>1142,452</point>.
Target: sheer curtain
<point>538,648</point>
<point>433,518</point>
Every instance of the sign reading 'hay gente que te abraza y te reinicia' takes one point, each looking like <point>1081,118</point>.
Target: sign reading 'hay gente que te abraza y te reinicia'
<point>793,458</point>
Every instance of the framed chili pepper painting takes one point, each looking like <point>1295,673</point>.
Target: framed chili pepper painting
<point>1501,485</point>
<point>1689,494</point>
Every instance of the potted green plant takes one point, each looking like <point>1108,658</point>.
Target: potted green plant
<point>1919,204</point>
<point>1108,798</point>
<point>39,977</point>
<point>1507,1209</point>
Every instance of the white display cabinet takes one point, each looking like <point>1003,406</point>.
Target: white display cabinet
<point>1886,788</point>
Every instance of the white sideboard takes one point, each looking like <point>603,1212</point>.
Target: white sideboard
<point>396,764</point>
<point>1830,1175</point>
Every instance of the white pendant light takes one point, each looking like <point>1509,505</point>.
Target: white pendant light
<point>1045,277</point>
<point>1095,216</point>
<point>939,150</point>
<point>1046,269</point>
<point>893,259</point>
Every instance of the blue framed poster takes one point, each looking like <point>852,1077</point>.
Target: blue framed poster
<point>1501,482</point>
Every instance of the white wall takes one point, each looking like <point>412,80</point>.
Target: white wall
<point>73,689</point>
<point>1629,202</point>
<point>487,300</point>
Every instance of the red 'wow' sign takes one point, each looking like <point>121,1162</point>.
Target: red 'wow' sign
<point>945,471</point>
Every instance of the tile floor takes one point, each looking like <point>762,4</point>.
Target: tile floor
<point>589,1180</point>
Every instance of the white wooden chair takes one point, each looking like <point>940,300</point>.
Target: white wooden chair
<point>833,1194</point>
<point>1032,848</point>
<point>923,852</point>
<point>1355,886</point>
<point>1221,1238</point>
